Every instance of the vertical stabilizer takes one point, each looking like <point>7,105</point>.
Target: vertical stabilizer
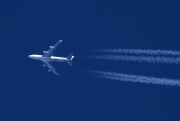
<point>69,59</point>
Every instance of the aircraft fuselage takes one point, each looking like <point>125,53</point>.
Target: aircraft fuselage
<point>49,59</point>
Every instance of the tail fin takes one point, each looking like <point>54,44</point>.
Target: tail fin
<point>69,59</point>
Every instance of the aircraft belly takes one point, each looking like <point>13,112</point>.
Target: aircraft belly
<point>46,59</point>
<point>60,59</point>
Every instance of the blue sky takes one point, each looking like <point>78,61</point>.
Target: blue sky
<point>29,93</point>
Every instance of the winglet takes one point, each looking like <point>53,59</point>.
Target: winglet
<point>56,73</point>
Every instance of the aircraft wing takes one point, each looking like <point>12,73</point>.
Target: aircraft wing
<point>51,50</point>
<point>51,68</point>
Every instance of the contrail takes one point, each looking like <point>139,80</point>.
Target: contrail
<point>149,59</point>
<point>140,51</point>
<point>136,78</point>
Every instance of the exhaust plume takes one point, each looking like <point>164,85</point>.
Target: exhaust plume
<point>149,59</point>
<point>135,78</point>
<point>140,51</point>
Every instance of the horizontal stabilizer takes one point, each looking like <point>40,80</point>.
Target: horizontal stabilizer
<point>70,58</point>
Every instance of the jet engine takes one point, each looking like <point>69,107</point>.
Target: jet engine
<point>51,46</point>
<point>45,51</point>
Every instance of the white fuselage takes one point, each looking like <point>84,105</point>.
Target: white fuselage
<point>49,59</point>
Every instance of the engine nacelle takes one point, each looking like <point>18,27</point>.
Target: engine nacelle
<point>45,52</point>
<point>51,46</point>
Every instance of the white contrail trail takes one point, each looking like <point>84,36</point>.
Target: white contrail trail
<point>150,59</point>
<point>136,78</point>
<point>141,51</point>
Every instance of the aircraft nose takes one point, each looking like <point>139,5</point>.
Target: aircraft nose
<point>29,56</point>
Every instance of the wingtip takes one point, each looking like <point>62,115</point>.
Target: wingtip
<point>57,74</point>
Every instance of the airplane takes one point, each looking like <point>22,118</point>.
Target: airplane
<point>47,58</point>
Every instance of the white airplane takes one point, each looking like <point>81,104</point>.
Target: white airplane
<point>47,58</point>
